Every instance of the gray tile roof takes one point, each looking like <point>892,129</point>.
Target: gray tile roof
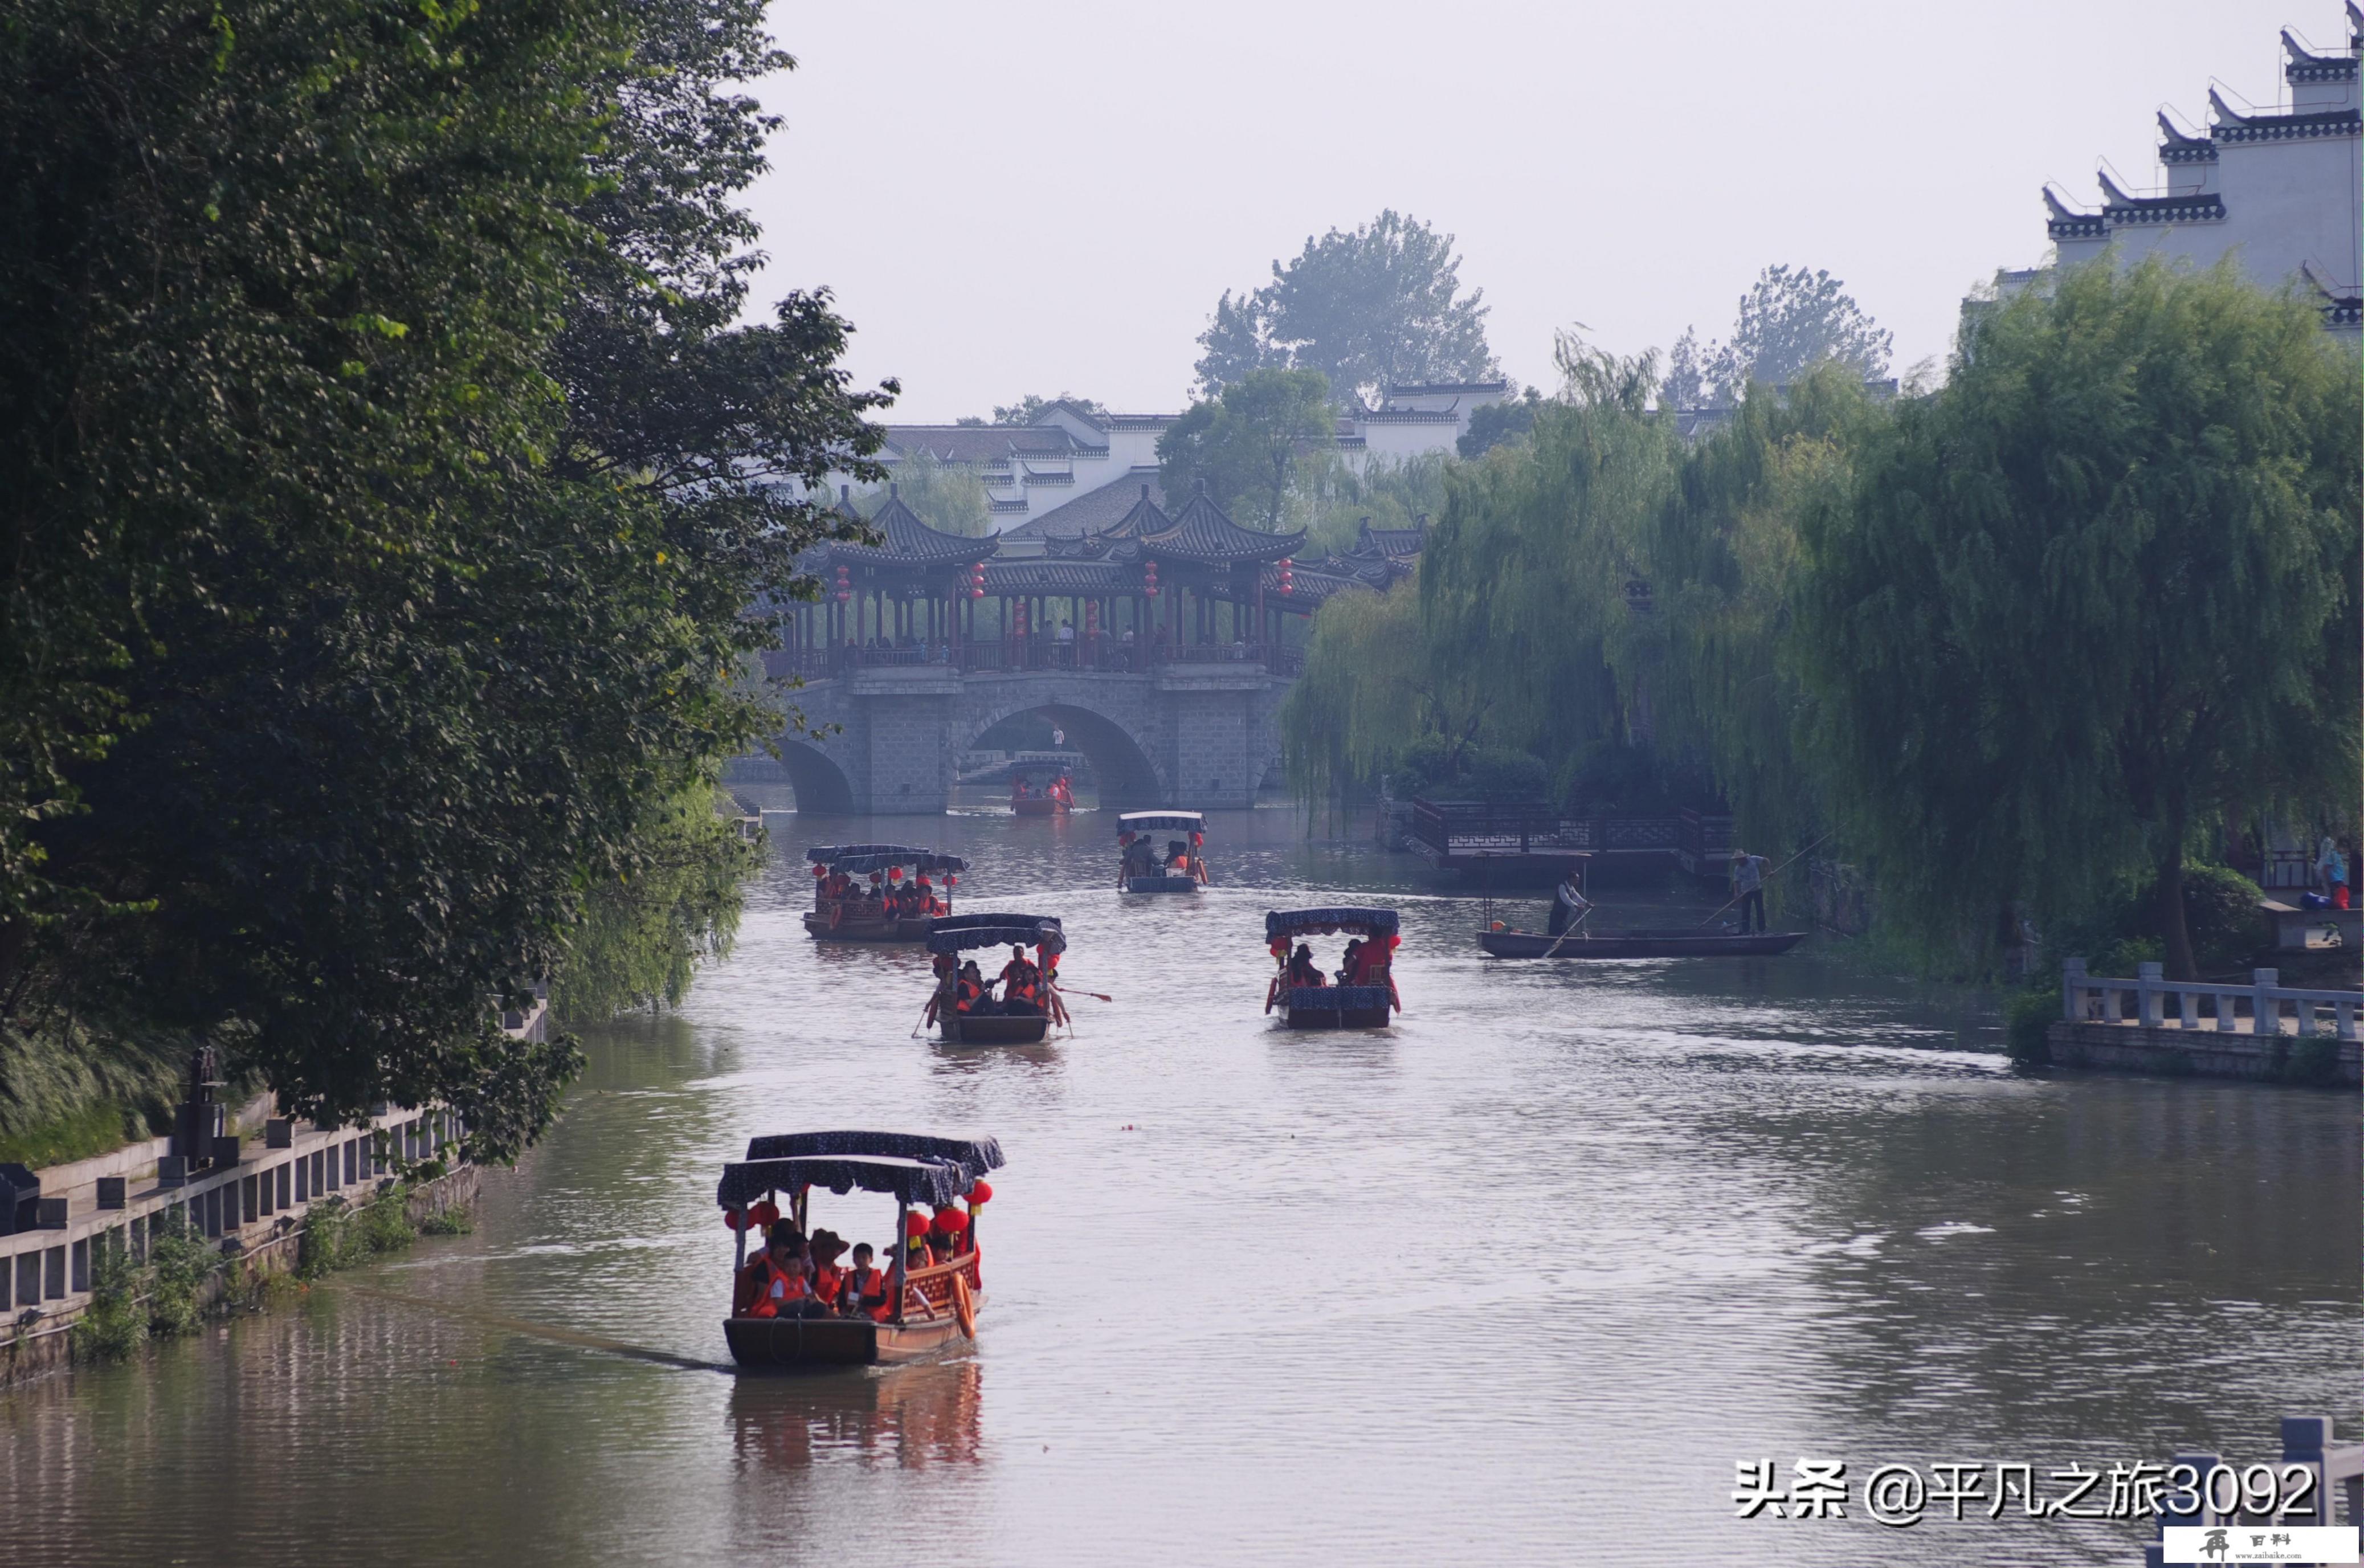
<point>979,443</point>
<point>1094,511</point>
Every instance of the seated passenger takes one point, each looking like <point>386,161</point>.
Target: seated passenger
<point>1302,970</point>
<point>863,1288</point>
<point>1021,984</point>
<point>1348,967</point>
<point>947,1233</point>
<point>778,1282</point>
<point>1178,857</point>
<point>828,1279</point>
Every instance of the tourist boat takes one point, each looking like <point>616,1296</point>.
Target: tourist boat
<point>1056,799</point>
<point>958,934</point>
<point>1135,825</point>
<point>859,917</point>
<point>1362,1006</point>
<point>1637,944</point>
<point>932,1306</point>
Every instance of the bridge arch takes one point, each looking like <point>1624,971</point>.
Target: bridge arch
<point>1121,758</point>
<point>822,786</point>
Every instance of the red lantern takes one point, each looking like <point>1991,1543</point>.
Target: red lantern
<point>730,1218</point>
<point>894,873</point>
<point>1288,574</point>
<point>976,579</point>
<point>1091,618</point>
<point>949,1222</point>
<point>765,1214</point>
<point>1149,579</point>
<point>951,881</point>
<point>978,1194</point>
<point>915,1226</point>
<point>822,872</point>
<point>845,585</point>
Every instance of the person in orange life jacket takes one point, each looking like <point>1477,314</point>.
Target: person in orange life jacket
<point>778,1282</point>
<point>1177,855</point>
<point>968,992</point>
<point>863,1289</point>
<point>828,1279</point>
<point>1020,981</point>
<point>926,900</point>
<point>947,1230</point>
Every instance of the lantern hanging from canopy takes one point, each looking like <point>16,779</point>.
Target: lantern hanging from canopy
<point>978,1194</point>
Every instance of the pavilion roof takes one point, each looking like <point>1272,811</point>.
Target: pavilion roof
<point>1041,575</point>
<point>907,542</point>
<point>1094,511</point>
<point>1200,532</point>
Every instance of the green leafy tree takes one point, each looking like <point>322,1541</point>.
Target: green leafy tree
<point>2070,609</point>
<point>1028,409</point>
<point>1381,306</point>
<point>1491,424</point>
<point>392,489</point>
<point>1246,446</point>
<point>1790,320</point>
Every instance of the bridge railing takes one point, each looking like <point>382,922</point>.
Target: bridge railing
<point>1101,652</point>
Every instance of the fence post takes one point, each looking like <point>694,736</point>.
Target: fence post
<point>2227,1012</point>
<point>2072,989</point>
<point>2147,979</point>
<point>2265,1012</point>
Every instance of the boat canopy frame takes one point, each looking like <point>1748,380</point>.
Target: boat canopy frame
<point>1353,921</point>
<point>959,933</point>
<point>1162,821</point>
<point>858,859</point>
<point>974,1155</point>
<point>932,1181</point>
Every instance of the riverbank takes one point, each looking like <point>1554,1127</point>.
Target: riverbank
<point>244,1222</point>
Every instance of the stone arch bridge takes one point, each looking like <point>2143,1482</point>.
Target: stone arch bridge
<point>1197,734</point>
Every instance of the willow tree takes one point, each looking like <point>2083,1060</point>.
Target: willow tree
<point>1523,576</point>
<point>1724,564</point>
<point>2068,611</point>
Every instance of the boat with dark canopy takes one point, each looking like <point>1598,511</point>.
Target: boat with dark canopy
<point>851,883</point>
<point>1636,943</point>
<point>973,1025</point>
<point>921,1310</point>
<point>1365,992</point>
<point>1147,868</point>
<point>1055,798</point>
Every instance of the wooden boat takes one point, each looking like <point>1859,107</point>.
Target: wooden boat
<point>1637,944</point>
<point>1057,799</point>
<point>1138,824</point>
<point>931,1308</point>
<point>955,935</point>
<point>1365,1005</point>
<point>862,919</point>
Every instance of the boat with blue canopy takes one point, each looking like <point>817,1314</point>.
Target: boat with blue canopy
<point>1362,992</point>
<point>965,1009</point>
<point>793,1307</point>
<point>1180,867</point>
<point>861,893</point>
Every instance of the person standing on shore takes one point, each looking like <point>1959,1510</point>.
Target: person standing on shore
<point>1748,887</point>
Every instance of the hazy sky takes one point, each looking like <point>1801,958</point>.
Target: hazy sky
<point>1014,197</point>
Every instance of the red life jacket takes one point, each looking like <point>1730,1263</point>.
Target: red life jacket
<point>827,1282</point>
<point>773,1288</point>
<point>1019,978</point>
<point>965,997</point>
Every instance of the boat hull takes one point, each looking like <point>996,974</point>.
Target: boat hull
<point>1036,806</point>
<point>866,928</point>
<point>1162,885</point>
<point>1334,1008</point>
<point>994,1028</point>
<point>820,1342</point>
<point>1637,944</point>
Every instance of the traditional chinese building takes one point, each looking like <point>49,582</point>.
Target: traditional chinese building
<point>2279,188</point>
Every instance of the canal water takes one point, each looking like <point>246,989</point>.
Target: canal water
<point>1521,1279</point>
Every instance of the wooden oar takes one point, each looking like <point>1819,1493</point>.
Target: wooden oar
<point>1769,875</point>
<point>1552,952</point>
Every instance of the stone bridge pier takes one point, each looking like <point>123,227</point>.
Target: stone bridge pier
<point>883,740</point>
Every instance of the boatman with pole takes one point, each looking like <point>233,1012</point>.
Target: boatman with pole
<point>1748,888</point>
<point>1569,906</point>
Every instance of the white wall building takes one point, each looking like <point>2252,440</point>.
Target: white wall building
<point>1069,452</point>
<point>2280,189</point>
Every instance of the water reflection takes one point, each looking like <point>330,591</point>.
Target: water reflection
<point>910,1417</point>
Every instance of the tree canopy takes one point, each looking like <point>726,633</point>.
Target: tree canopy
<point>1790,320</point>
<point>388,489</point>
<point>1377,307</point>
<point>1246,445</point>
<point>2098,591</point>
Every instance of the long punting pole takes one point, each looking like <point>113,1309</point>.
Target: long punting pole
<point>903,1250</point>
<point>739,1241</point>
<point>1769,875</point>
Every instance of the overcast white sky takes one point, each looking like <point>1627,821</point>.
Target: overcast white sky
<point>1013,198</point>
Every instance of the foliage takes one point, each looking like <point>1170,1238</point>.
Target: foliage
<point>1369,309</point>
<point>2143,479</point>
<point>450,1220</point>
<point>947,496</point>
<point>644,935</point>
<point>1371,688</point>
<point>1491,424</point>
<point>1331,500</point>
<point>1790,321</point>
<point>1246,446</point>
<point>389,483</point>
<point>338,1235</point>
<point>2311,1060</point>
<point>69,1090</point>
<point>2220,913</point>
<point>178,1265</point>
<point>2028,1017</point>
<point>115,1323</point>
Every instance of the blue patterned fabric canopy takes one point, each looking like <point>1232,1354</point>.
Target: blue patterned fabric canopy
<point>1160,821</point>
<point>1279,923</point>
<point>932,1181</point>
<point>958,933</point>
<point>974,1155</point>
<point>856,860</point>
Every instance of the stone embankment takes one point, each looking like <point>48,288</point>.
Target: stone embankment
<point>2263,1031</point>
